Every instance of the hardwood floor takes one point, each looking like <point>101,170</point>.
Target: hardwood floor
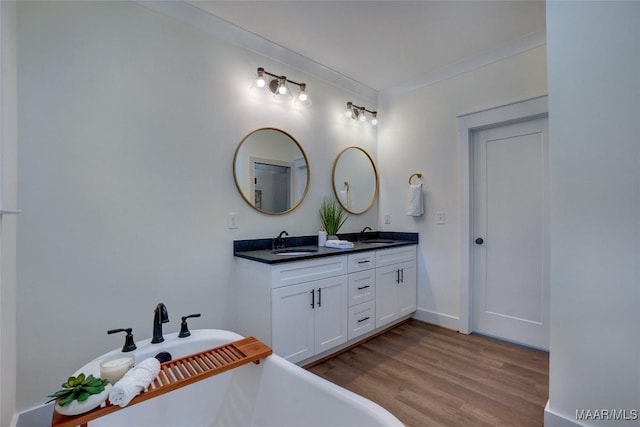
<point>430,376</point>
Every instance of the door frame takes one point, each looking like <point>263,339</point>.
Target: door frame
<point>528,109</point>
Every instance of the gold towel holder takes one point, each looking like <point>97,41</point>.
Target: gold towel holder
<point>417,175</point>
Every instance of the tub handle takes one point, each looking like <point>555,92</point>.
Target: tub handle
<point>313,298</point>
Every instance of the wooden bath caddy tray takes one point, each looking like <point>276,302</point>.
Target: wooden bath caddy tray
<point>178,373</point>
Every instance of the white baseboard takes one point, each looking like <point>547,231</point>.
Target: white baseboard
<point>551,419</point>
<point>444,320</point>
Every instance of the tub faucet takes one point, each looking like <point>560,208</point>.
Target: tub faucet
<point>278,242</point>
<point>160,316</point>
<point>364,230</point>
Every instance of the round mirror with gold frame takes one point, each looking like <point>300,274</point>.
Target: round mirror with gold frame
<point>271,171</point>
<point>355,180</point>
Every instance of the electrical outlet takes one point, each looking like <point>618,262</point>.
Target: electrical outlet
<point>440,217</point>
<point>387,218</point>
<point>233,220</point>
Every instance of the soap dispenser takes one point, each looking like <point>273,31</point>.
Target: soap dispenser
<point>322,238</point>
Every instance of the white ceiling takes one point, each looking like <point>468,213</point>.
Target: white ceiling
<point>383,44</point>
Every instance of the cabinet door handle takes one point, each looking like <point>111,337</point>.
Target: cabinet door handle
<point>402,275</point>
<point>362,320</point>
<point>364,262</point>
<point>319,297</point>
<point>397,276</point>
<point>363,287</point>
<point>313,298</point>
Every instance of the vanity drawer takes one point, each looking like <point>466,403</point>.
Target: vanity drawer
<point>395,255</point>
<point>362,261</point>
<point>291,273</point>
<point>362,319</point>
<point>362,287</point>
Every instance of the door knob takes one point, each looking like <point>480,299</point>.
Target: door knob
<point>479,241</point>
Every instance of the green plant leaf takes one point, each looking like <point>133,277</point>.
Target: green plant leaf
<point>332,216</point>
<point>93,389</point>
<point>66,400</point>
<point>59,394</point>
<point>83,395</point>
<point>78,388</point>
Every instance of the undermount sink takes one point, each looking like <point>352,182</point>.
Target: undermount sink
<point>379,241</point>
<point>294,251</point>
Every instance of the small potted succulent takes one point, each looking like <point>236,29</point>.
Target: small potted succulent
<point>332,217</point>
<point>80,394</point>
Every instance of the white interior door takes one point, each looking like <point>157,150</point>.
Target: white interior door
<point>510,232</point>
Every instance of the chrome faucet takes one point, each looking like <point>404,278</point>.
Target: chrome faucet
<point>364,230</point>
<point>160,316</point>
<point>278,242</point>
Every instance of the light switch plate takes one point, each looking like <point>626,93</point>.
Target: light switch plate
<point>440,217</point>
<point>387,218</point>
<point>233,220</point>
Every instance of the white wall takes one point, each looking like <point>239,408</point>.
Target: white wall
<point>8,139</point>
<point>128,122</point>
<point>594,105</point>
<point>419,134</point>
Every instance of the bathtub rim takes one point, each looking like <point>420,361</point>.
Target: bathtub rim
<point>222,337</point>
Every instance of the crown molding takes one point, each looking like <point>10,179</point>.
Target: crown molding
<point>233,34</point>
<point>504,51</point>
<point>215,26</point>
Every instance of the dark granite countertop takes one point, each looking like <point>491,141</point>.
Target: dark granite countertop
<point>260,250</point>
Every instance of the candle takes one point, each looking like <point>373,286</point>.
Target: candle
<point>114,368</point>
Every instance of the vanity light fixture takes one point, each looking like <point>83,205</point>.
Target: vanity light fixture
<point>278,86</point>
<point>360,113</point>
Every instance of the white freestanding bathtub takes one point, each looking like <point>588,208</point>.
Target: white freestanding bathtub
<point>272,393</point>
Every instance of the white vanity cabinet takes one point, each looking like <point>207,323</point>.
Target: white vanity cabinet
<point>309,318</point>
<point>396,276</point>
<point>300,310</point>
<point>306,308</point>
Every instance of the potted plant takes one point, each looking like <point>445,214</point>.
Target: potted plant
<point>332,217</point>
<point>80,394</point>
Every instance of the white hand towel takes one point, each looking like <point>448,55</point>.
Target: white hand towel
<point>414,200</point>
<point>134,381</point>
<point>339,244</point>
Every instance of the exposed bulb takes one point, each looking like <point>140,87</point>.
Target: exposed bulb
<point>362,117</point>
<point>374,120</point>
<point>349,111</point>
<point>302,99</point>
<point>282,87</point>
<point>260,81</point>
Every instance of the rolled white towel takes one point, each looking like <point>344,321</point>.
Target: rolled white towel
<point>134,381</point>
<point>339,244</point>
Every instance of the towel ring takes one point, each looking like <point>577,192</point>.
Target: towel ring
<point>418,175</point>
